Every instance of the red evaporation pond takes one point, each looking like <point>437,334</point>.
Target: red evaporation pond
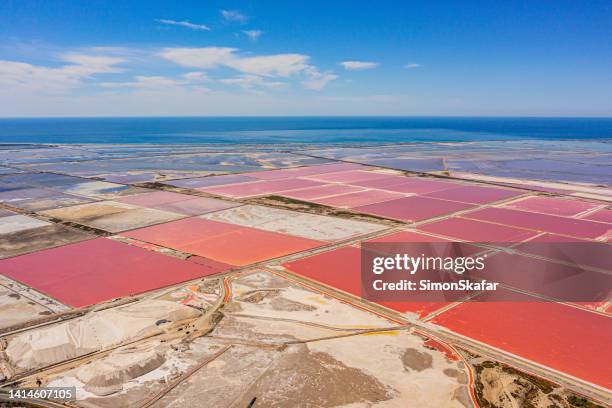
<point>562,337</point>
<point>475,194</point>
<point>357,199</point>
<point>420,186</point>
<point>552,205</point>
<point>476,231</point>
<point>587,253</point>
<point>178,234</point>
<point>387,181</point>
<point>248,245</point>
<point>413,208</point>
<point>320,191</point>
<point>348,176</point>
<point>410,237</point>
<point>303,171</point>
<point>154,198</point>
<point>101,269</point>
<point>541,222</point>
<point>260,187</point>
<point>547,278</point>
<point>341,269</point>
<point>221,241</point>
<point>601,216</point>
<point>436,345</point>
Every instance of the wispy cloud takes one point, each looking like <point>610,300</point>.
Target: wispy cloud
<point>209,57</point>
<point>412,66</point>
<point>252,34</point>
<point>282,65</point>
<point>251,81</point>
<point>269,66</point>
<point>142,81</point>
<point>56,79</point>
<point>196,76</point>
<point>358,65</point>
<point>186,24</point>
<point>233,16</point>
<point>158,82</point>
<point>318,81</point>
<point>205,57</point>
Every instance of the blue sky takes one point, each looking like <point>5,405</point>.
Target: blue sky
<point>489,58</point>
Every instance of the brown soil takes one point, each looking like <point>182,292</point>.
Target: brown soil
<point>414,359</point>
<point>311,379</point>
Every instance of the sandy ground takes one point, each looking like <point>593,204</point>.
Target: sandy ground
<point>299,224</point>
<point>112,216</point>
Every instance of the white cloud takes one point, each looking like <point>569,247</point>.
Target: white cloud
<point>318,82</point>
<point>195,76</point>
<point>358,65</point>
<point>271,65</point>
<point>186,24</point>
<point>93,63</point>
<point>206,57</point>
<point>251,81</point>
<point>159,82</point>
<point>233,16</point>
<point>252,34</point>
<point>141,81</point>
<point>411,66</point>
<point>210,57</point>
<point>56,79</point>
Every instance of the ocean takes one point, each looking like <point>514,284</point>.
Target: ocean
<point>278,130</point>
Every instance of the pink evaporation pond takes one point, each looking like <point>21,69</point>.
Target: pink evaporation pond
<point>341,269</point>
<point>413,208</point>
<point>604,215</point>
<point>565,338</point>
<point>154,198</point>
<point>320,191</point>
<point>541,222</point>
<point>196,206</point>
<point>539,188</point>
<point>420,186</point>
<point>475,194</point>
<point>348,176</point>
<point>260,187</point>
<point>477,231</point>
<point>357,199</point>
<point>101,269</point>
<point>210,181</point>
<point>552,205</point>
<point>303,171</point>
<point>219,240</point>
<point>178,203</point>
<point>588,253</point>
<point>387,181</point>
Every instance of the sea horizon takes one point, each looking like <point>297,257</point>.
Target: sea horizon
<point>297,129</point>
